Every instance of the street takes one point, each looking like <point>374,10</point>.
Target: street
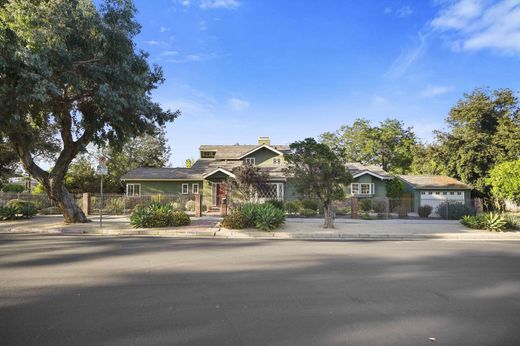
<point>89,290</point>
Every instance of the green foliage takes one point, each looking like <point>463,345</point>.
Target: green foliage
<point>69,65</point>
<point>317,171</point>
<point>293,207</point>
<point>365,204</point>
<point>24,208</point>
<point>276,203</point>
<point>512,221</point>
<point>388,145</point>
<point>268,217</point>
<point>249,181</point>
<point>494,222</point>
<point>250,211</point>
<point>483,131</point>
<point>158,215</point>
<point>177,206</point>
<point>235,220</point>
<point>308,212</point>
<point>14,188</point>
<point>115,205</point>
<point>454,210</point>
<point>473,221</point>
<point>7,213</point>
<point>504,180</point>
<point>38,189</point>
<point>425,210</point>
<point>310,204</point>
<point>180,218</point>
<point>394,188</point>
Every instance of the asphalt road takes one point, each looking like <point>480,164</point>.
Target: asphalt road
<point>58,290</point>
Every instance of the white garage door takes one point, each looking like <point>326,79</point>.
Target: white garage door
<point>436,197</point>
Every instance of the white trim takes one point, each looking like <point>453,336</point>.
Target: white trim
<point>372,174</point>
<point>193,188</point>
<point>133,192</point>
<point>371,189</point>
<point>277,161</point>
<point>252,161</point>
<point>218,170</point>
<point>260,147</point>
<point>187,189</point>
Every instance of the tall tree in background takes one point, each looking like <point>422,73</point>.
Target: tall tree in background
<point>65,64</point>
<point>317,171</point>
<point>483,130</point>
<point>389,145</point>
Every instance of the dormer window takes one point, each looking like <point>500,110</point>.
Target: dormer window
<point>207,154</point>
<point>250,161</point>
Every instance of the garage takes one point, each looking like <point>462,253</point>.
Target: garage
<point>435,197</point>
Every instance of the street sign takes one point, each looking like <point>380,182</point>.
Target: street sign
<point>101,169</point>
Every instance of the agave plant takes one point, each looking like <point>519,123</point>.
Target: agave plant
<point>494,222</point>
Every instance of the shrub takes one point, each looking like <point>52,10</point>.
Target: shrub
<point>269,217</point>
<point>115,205</point>
<point>250,211</point>
<point>140,217</point>
<point>425,210</point>
<point>293,207</point>
<point>308,212</point>
<point>190,206</point>
<point>309,204</point>
<point>158,215</point>
<point>15,188</point>
<point>50,211</point>
<point>180,218</point>
<point>235,220</point>
<point>378,206</point>
<point>476,222</point>
<point>454,210</point>
<point>512,222</point>
<point>7,213</point>
<point>343,211</point>
<point>494,222</point>
<point>275,203</point>
<point>177,206</point>
<point>24,208</point>
<point>365,205</point>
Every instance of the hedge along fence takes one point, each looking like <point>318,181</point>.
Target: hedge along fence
<point>120,204</point>
<point>42,202</point>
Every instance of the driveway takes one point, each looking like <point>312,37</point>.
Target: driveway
<point>90,290</point>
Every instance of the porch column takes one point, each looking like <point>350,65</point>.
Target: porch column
<point>224,205</point>
<point>354,208</point>
<point>198,205</point>
<point>479,207</point>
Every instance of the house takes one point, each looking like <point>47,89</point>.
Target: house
<point>215,165</point>
<point>432,190</point>
<point>209,173</point>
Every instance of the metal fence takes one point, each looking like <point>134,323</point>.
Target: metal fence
<point>120,204</point>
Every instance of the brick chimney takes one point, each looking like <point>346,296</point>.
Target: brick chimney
<point>264,140</point>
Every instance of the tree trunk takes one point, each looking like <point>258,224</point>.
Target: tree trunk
<point>72,213</point>
<point>329,217</point>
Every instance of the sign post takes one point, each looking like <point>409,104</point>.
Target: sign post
<point>101,170</point>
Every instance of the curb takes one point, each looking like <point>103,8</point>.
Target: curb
<point>218,233</point>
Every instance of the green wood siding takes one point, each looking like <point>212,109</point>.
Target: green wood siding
<point>264,157</point>
<point>379,185</point>
<point>165,187</point>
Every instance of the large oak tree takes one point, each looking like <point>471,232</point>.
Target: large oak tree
<point>69,65</point>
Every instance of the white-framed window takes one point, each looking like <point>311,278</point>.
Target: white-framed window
<point>272,191</point>
<point>437,193</point>
<point>185,189</point>
<point>362,188</point>
<point>195,188</point>
<point>459,193</point>
<point>250,161</point>
<point>452,193</point>
<point>277,161</point>
<point>430,192</point>
<point>133,190</point>
<point>423,193</point>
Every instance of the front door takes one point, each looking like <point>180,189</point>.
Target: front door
<point>220,193</point>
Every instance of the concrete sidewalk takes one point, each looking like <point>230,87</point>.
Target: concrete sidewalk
<point>294,228</point>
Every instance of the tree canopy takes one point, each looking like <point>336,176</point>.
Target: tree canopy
<point>317,171</point>
<point>68,65</point>
<point>504,180</point>
<point>389,145</point>
<point>483,130</point>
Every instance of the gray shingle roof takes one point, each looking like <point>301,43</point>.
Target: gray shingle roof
<point>162,173</point>
<point>434,182</point>
<point>235,151</point>
<point>357,168</point>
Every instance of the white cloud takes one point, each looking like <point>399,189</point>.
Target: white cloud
<point>202,25</point>
<point>478,24</point>
<point>212,4</point>
<point>163,29</point>
<point>379,99</point>
<point>388,10</point>
<point>404,11</point>
<point>152,42</point>
<point>432,91</point>
<point>192,58</point>
<point>237,104</point>
<point>407,57</point>
<point>169,53</point>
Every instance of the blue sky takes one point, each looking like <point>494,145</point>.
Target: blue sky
<point>240,69</point>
